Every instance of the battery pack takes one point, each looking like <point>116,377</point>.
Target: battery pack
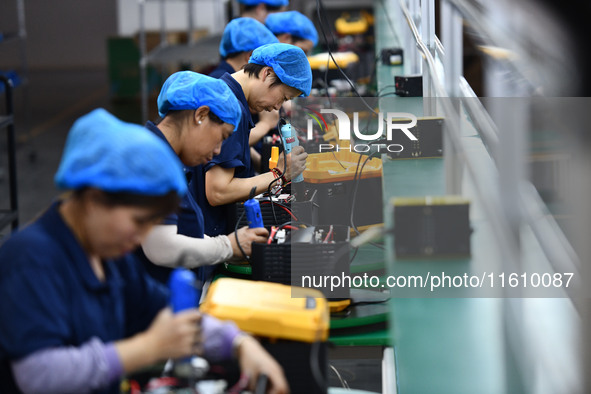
<point>432,227</point>
<point>341,186</point>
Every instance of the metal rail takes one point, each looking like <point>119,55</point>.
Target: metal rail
<point>555,246</point>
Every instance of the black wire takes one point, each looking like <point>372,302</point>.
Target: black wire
<point>319,5</point>
<point>337,159</point>
<point>320,22</point>
<point>384,88</point>
<point>354,255</point>
<point>357,179</point>
<point>271,198</point>
<point>315,365</point>
<point>236,235</point>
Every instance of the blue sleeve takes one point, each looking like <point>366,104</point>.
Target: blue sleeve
<point>144,296</point>
<point>232,153</point>
<point>33,307</point>
<point>173,218</point>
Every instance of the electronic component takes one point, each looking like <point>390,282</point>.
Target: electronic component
<point>409,85</point>
<point>392,56</point>
<point>427,227</point>
<point>307,251</point>
<point>429,143</point>
<point>335,178</point>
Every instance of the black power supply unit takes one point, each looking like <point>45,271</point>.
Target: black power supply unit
<point>429,133</point>
<point>409,85</point>
<point>432,227</point>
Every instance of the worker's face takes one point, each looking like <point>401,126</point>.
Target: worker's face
<point>264,97</point>
<point>117,230</point>
<point>305,45</point>
<point>204,141</point>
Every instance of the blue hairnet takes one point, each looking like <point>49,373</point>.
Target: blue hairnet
<point>190,90</point>
<point>105,153</point>
<point>244,35</point>
<point>288,62</point>
<point>272,3</point>
<point>294,23</point>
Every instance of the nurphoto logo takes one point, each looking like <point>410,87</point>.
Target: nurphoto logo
<point>392,121</point>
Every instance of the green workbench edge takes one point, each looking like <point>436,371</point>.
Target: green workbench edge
<point>372,338</point>
<point>242,269</point>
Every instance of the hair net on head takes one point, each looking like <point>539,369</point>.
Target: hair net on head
<point>190,90</point>
<point>272,3</point>
<point>105,153</point>
<point>294,23</point>
<point>244,35</point>
<point>288,62</point>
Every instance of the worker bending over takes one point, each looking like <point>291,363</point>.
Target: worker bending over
<point>77,309</point>
<point>275,73</point>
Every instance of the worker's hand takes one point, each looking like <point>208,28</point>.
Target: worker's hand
<point>296,162</point>
<point>174,335</point>
<point>270,119</point>
<point>254,360</point>
<point>247,236</point>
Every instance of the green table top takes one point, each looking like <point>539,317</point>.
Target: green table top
<point>371,310</point>
<point>442,345</point>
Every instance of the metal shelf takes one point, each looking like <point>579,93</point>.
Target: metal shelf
<point>9,216</point>
<point>196,52</point>
<point>199,53</point>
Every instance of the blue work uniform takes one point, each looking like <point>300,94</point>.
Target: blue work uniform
<point>221,69</point>
<point>51,297</point>
<point>189,222</point>
<point>235,154</point>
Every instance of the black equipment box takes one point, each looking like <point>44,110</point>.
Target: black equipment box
<point>409,85</point>
<point>427,227</point>
<point>429,133</point>
<point>302,255</point>
<point>335,198</point>
<point>305,364</point>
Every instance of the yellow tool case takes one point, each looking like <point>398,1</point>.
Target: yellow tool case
<point>291,322</point>
<point>269,309</point>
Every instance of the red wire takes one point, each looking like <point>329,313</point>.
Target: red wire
<point>328,235</point>
<point>281,206</point>
<point>272,235</point>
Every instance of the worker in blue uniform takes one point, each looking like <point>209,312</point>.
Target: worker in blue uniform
<point>260,9</point>
<point>77,309</point>
<point>241,36</point>
<point>293,27</point>
<point>197,113</point>
<point>275,73</point>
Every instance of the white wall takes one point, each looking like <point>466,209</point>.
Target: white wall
<point>208,14</point>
